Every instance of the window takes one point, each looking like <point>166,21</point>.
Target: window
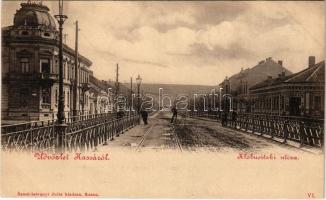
<point>24,32</point>
<point>47,34</point>
<point>72,72</point>
<point>68,71</point>
<point>56,97</point>
<point>65,98</point>
<point>46,95</point>
<point>45,66</point>
<point>282,102</point>
<point>64,70</point>
<point>68,103</point>
<point>24,62</point>
<point>56,67</point>
<point>23,97</point>
<point>317,103</point>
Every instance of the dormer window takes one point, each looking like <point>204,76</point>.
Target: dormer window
<point>24,63</point>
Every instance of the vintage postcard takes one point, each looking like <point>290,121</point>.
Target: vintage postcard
<point>162,99</point>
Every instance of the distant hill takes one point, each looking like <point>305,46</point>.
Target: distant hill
<point>176,89</point>
<point>258,73</point>
<point>172,90</point>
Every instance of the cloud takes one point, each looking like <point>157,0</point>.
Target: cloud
<point>191,42</point>
<point>144,62</point>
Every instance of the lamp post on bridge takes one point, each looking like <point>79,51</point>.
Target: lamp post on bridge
<point>61,126</point>
<point>138,81</point>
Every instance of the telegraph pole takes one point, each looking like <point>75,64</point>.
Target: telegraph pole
<point>130,101</point>
<point>61,115</point>
<point>117,86</point>
<point>75,110</point>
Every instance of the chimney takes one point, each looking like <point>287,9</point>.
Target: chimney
<point>311,61</point>
<point>280,62</point>
<point>269,58</point>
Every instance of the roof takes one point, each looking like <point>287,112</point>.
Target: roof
<point>314,74</point>
<point>98,83</point>
<point>72,52</point>
<point>37,16</point>
<point>258,73</point>
<point>34,15</point>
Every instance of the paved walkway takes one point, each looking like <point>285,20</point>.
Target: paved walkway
<point>157,134</point>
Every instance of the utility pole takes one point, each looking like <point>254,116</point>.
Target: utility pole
<point>117,86</point>
<point>75,110</point>
<point>130,101</point>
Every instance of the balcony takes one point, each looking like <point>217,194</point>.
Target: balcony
<point>46,106</point>
<point>47,78</point>
<point>32,76</point>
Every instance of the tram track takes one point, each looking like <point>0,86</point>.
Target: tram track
<point>176,139</point>
<point>139,146</point>
<point>160,137</point>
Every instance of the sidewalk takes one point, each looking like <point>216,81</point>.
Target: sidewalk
<point>129,139</point>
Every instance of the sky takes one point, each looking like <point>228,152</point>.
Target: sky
<point>189,42</point>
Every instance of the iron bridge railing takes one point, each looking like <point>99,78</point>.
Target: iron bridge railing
<point>81,133</point>
<point>306,131</point>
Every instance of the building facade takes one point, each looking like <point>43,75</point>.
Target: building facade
<point>30,68</point>
<point>299,94</point>
<point>101,96</point>
<point>238,85</point>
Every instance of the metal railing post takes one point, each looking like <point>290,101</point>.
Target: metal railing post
<point>253,123</point>
<point>61,133</point>
<point>302,134</point>
<point>286,132</point>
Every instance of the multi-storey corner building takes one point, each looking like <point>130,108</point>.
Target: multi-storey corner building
<point>30,68</point>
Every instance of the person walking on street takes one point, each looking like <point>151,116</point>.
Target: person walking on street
<point>174,114</point>
<point>224,118</point>
<point>144,115</point>
<point>234,119</point>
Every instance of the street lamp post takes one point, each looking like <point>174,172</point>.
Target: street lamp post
<point>138,81</point>
<point>60,121</point>
<point>220,107</point>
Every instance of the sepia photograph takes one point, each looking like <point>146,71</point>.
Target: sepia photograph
<point>162,99</point>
